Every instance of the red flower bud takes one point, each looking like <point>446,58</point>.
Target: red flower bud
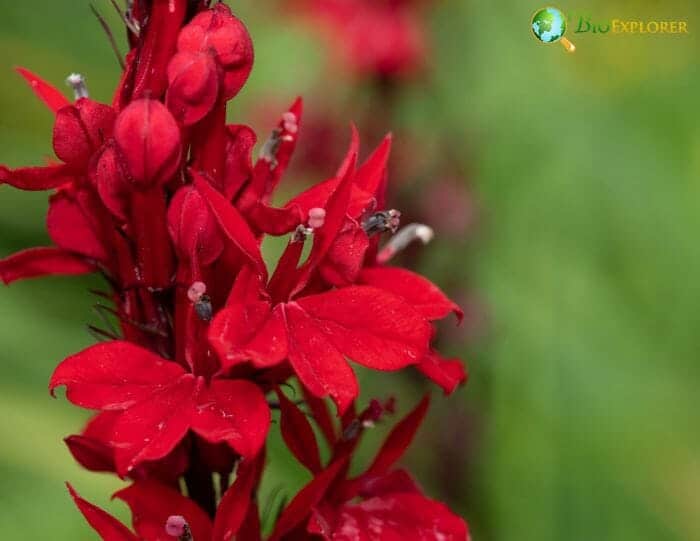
<point>219,32</point>
<point>149,139</point>
<point>194,86</point>
<point>81,129</point>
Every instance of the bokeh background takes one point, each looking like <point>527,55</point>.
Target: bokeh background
<point>565,194</point>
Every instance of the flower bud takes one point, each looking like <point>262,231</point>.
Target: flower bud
<point>80,130</point>
<point>194,86</point>
<point>192,227</point>
<point>218,32</point>
<point>149,140</point>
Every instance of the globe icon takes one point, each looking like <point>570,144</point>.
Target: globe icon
<point>548,24</point>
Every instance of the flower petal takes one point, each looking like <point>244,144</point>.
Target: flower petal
<point>398,440</point>
<point>109,528</point>
<point>47,93</point>
<point>113,375</point>
<point>418,291</point>
<point>36,178</point>
<point>153,427</point>
<point>42,261</point>
<point>151,504</point>
<point>71,223</point>
<point>248,331</point>
<point>300,507</point>
<point>232,224</point>
<point>447,373</point>
<point>372,327</point>
<point>392,517</point>
<point>298,434</point>
<point>320,366</point>
<point>236,501</point>
<point>234,411</point>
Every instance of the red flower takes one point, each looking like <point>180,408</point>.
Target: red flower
<point>160,402</point>
<point>380,504</point>
<point>163,198</point>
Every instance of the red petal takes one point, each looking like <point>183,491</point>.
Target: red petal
<point>113,375</point>
<point>393,518</point>
<point>418,291</point>
<point>109,528</point>
<point>371,175</point>
<point>232,224</point>
<point>234,411</point>
<point>149,139</point>
<point>298,434</point>
<point>447,373</point>
<point>234,504</point>
<point>398,440</point>
<point>370,326</point>
<point>41,262</point>
<point>250,331</point>
<point>47,93</point>
<point>72,224</point>
<point>153,427</point>
<point>151,504</point>
<point>346,255</point>
<point>92,449</point>
<point>320,366</point>
<point>336,211</point>
<point>308,497</point>
<point>36,178</point>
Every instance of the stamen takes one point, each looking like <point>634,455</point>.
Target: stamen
<point>176,526</point>
<point>300,233</point>
<point>381,222</point>
<point>77,82</point>
<point>268,152</point>
<point>403,238</point>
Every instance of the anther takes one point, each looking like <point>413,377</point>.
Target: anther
<point>300,233</point>
<point>403,238</point>
<point>77,83</point>
<point>176,526</point>
<point>268,152</point>
<point>380,222</point>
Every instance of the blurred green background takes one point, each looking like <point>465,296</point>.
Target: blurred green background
<point>581,417</point>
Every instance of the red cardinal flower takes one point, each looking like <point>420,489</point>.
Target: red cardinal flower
<point>160,402</point>
<point>164,199</point>
<point>381,503</point>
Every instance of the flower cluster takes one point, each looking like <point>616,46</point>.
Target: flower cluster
<point>164,199</point>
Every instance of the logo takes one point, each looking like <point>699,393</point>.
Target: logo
<point>549,25</point>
